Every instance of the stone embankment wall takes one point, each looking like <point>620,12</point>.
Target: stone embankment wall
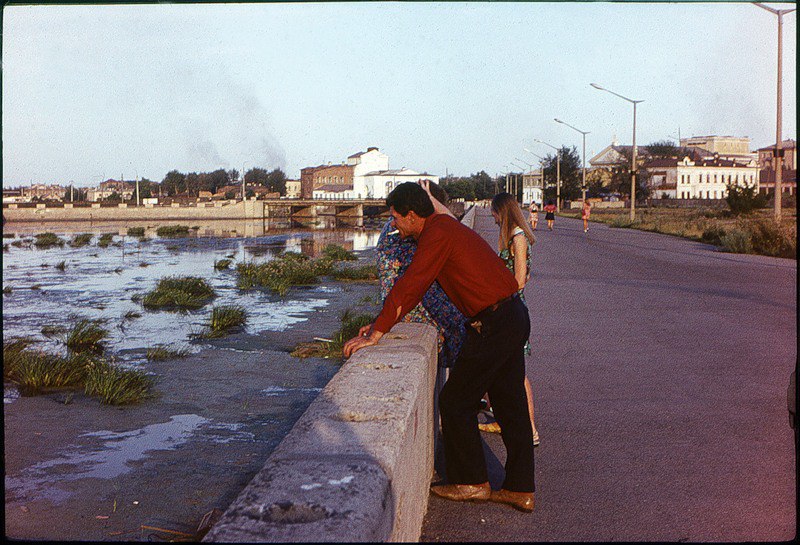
<point>221,210</point>
<point>357,465</point>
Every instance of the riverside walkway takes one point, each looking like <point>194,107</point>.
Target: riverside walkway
<point>660,369</point>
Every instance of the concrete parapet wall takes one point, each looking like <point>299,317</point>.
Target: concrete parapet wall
<point>250,209</point>
<point>469,217</point>
<point>357,465</point>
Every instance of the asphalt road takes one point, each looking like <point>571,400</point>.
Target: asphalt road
<point>659,369</point>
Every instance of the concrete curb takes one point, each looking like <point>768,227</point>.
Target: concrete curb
<point>357,465</point>
<point>469,217</point>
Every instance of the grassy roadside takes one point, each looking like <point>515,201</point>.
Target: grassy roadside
<point>757,233</point>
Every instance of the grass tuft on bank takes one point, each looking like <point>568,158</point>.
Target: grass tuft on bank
<point>179,293</point>
<point>47,240</point>
<point>36,372</point>
<point>81,240</point>
<point>172,231</point>
<point>223,320</point>
<point>351,323</point>
<point>161,353</point>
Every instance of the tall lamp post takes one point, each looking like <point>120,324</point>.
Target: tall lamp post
<point>508,184</point>
<point>243,164</point>
<point>516,187</point>
<point>558,171</point>
<point>633,154</point>
<point>778,152</point>
<point>584,133</point>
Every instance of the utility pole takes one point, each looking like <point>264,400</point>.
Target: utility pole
<point>243,180</point>
<point>778,153</point>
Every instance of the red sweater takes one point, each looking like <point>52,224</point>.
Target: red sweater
<point>469,271</point>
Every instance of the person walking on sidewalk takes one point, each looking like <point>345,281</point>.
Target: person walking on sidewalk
<point>514,247</point>
<point>491,358</point>
<point>550,214</point>
<point>586,211</point>
<point>534,217</point>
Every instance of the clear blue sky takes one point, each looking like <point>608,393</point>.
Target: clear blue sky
<point>103,91</point>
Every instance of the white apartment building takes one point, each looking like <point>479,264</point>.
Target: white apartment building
<point>370,174</point>
<point>699,179</point>
<point>532,188</point>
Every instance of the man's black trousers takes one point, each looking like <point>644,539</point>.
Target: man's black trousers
<point>492,360</point>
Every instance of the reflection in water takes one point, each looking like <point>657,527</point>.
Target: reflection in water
<point>202,228</point>
<point>112,459</point>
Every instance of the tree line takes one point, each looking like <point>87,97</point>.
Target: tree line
<point>177,183</point>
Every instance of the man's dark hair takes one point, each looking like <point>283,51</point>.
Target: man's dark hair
<point>410,196</point>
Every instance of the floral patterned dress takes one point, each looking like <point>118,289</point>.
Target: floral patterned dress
<point>508,259</point>
<point>394,257</point>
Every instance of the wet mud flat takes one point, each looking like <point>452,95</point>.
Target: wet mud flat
<point>79,470</point>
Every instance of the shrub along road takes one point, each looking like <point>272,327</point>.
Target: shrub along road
<point>660,369</point>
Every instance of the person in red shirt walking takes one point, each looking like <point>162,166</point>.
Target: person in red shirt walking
<point>550,214</point>
<point>492,356</point>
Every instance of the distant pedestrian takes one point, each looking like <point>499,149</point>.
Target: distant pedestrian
<point>550,214</point>
<point>586,211</point>
<point>534,218</point>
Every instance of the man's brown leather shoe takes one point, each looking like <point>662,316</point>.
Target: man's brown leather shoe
<point>463,492</point>
<point>518,500</point>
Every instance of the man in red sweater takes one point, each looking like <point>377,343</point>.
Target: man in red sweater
<point>491,359</point>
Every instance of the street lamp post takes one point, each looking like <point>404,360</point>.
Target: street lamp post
<point>633,154</point>
<point>516,187</point>
<point>558,172</point>
<point>138,201</point>
<point>243,164</point>
<point>778,130</point>
<point>584,133</point>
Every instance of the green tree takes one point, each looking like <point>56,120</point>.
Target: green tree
<point>663,149</point>
<point>744,199</point>
<point>275,180</point>
<point>571,174</point>
<point>78,195</point>
<point>621,175</point>
<point>473,187</point>
<point>173,183</point>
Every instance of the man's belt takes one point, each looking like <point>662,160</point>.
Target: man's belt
<point>476,321</point>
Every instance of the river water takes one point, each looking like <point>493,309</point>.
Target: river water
<point>103,283</point>
<point>79,470</point>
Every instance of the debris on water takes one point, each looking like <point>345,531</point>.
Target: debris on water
<point>207,522</point>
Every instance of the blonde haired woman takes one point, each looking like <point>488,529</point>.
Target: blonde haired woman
<point>514,246</point>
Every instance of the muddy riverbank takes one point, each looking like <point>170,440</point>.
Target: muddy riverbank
<point>79,470</point>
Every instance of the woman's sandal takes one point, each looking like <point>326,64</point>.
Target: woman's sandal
<point>491,427</point>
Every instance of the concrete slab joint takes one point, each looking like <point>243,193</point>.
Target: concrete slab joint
<point>357,464</point>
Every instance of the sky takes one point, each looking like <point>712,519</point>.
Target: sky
<point>91,92</point>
